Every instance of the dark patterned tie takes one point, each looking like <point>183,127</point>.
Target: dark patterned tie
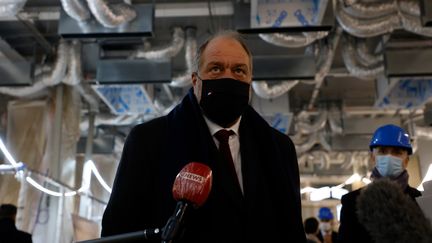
<point>223,136</point>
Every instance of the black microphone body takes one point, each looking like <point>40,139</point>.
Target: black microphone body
<point>390,215</point>
<point>174,224</point>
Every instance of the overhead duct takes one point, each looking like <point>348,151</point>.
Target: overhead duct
<point>263,90</point>
<point>76,9</point>
<point>366,27</point>
<point>14,69</point>
<point>293,40</point>
<point>185,79</point>
<point>167,51</point>
<point>423,132</point>
<point>305,127</point>
<point>325,65</point>
<point>54,77</point>
<point>365,55</point>
<point>354,65</point>
<point>111,16</point>
<point>373,10</point>
<point>74,74</point>
<point>10,8</point>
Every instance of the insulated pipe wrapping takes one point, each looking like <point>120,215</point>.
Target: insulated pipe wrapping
<point>76,10</point>
<point>366,27</point>
<point>167,51</point>
<point>183,80</point>
<point>11,8</point>
<point>325,66</point>
<point>409,7</point>
<point>89,98</point>
<point>53,77</point>
<point>365,57</point>
<point>413,24</point>
<point>293,40</point>
<point>371,10</point>
<point>353,65</point>
<point>334,125</point>
<point>307,128</point>
<point>74,74</point>
<point>262,89</point>
<point>60,65</point>
<point>111,16</point>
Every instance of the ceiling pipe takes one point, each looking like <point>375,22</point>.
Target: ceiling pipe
<point>76,10</point>
<point>185,79</point>
<point>168,51</point>
<point>371,10</point>
<point>293,40</point>
<point>366,27</point>
<point>11,8</point>
<point>53,77</point>
<point>111,16</point>
<point>74,74</point>
<point>364,54</point>
<point>262,89</point>
<point>324,68</point>
<point>305,127</point>
<point>352,63</point>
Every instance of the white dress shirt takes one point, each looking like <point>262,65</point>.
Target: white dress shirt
<point>234,143</point>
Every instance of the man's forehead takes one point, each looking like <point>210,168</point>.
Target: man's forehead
<point>390,148</point>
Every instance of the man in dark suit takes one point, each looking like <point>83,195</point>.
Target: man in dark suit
<point>390,149</point>
<point>8,231</point>
<point>254,198</point>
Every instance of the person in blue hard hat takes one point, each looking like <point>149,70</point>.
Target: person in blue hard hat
<point>326,233</point>
<point>390,149</point>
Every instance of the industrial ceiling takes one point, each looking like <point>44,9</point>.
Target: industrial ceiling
<point>332,80</point>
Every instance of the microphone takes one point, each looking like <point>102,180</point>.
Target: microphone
<point>191,188</point>
<point>390,215</point>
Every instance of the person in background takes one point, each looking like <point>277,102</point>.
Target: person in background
<point>254,167</point>
<point>8,231</point>
<point>311,226</point>
<point>390,149</point>
<point>326,233</point>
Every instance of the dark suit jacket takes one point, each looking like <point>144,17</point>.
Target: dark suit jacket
<point>10,234</point>
<point>350,229</point>
<point>154,152</point>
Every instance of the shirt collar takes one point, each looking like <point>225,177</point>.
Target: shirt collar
<point>214,128</point>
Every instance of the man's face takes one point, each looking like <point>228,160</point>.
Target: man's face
<point>393,151</point>
<point>223,57</point>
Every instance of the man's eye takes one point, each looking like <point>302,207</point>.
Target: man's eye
<point>215,69</point>
<point>240,71</point>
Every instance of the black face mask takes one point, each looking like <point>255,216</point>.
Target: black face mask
<point>224,100</point>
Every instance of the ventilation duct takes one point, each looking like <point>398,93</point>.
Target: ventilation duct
<point>165,52</point>
<point>76,10</point>
<point>10,8</point>
<point>43,80</point>
<point>263,90</point>
<point>293,40</point>
<point>111,16</point>
<point>74,74</point>
<point>14,69</point>
<point>183,80</point>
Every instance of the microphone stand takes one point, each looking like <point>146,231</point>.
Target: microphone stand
<point>138,236</point>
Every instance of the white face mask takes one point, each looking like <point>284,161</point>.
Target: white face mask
<point>325,226</point>
<point>388,165</point>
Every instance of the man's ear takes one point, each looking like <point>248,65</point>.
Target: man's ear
<point>194,77</point>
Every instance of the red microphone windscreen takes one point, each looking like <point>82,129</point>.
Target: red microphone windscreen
<point>193,184</point>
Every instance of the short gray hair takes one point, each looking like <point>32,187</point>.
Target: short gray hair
<point>223,33</point>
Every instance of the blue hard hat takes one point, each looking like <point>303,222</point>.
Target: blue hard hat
<point>325,213</point>
<point>391,135</point>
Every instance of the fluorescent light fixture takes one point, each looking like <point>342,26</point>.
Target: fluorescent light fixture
<point>7,154</point>
<point>320,194</point>
<point>307,189</point>
<point>337,192</point>
<point>354,178</point>
<point>366,180</point>
<point>41,188</point>
<point>98,176</point>
<point>427,177</point>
